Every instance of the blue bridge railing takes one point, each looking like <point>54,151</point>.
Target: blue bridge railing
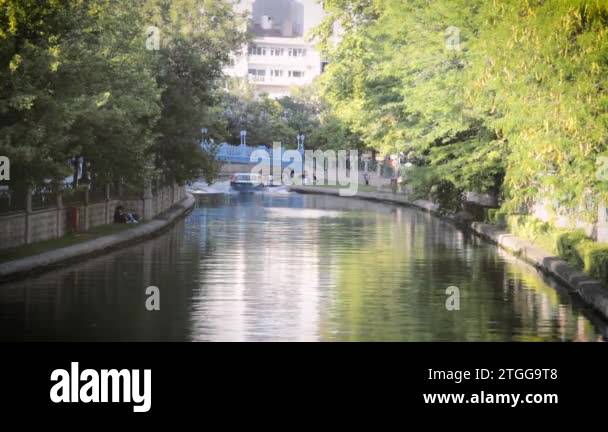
<point>241,154</point>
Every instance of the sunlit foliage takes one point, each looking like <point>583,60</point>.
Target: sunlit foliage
<point>504,96</point>
<point>80,79</point>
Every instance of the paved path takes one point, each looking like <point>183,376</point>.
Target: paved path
<point>78,252</point>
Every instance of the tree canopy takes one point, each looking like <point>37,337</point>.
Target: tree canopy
<point>89,79</point>
<point>506,97</point>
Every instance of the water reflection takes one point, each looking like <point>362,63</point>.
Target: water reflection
<point>294,267</point>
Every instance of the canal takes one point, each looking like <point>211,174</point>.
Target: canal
<point>290,267</point>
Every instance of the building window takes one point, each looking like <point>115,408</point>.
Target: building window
<point>276,52</point>
<point>257,51</point>
<point>257,74</point>
<point>276,73</point>
<point>296,74</point>
<point>297,52</point>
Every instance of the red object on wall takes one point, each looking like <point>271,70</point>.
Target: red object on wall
<point>73,218</point>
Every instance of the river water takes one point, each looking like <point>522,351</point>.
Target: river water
<point>290,267</point>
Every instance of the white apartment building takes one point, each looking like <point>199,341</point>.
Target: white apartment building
<point>280,56</point>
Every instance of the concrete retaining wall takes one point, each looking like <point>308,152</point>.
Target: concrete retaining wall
<point>98,214</point>
<point>12,230</point>
<point>544,211</point>
<point>38,263</point>
<point>43,225</point>
<point>17,229</point>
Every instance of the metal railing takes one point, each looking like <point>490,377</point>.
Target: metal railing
<point>47,197</point>
<point>97,194</point>
<point>73,196</point>
<point>43,198</point>
<point>11,201</point>
<point>126,191</point>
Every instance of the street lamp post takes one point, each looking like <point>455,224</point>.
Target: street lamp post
<point>205,132</point>
<point>300,141</point>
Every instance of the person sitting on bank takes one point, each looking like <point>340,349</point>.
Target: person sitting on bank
<point>120,216</point>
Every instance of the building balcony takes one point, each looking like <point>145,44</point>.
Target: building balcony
<point>278,81</point>
<point>298,42</point>
<point>283,60</point>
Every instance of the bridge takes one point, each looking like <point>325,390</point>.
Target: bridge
<point>237,158</point>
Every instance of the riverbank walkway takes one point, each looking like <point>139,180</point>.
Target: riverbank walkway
<point>27,266</point>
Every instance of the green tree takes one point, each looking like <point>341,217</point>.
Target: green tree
<point>263,118</point>
<point>198,37</point>
<point>74,83</point>
<point>540,81</point>
<point>77,80</point>
<point>397,79</point>
<point>504,97</point>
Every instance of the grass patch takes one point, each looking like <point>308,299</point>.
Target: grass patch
<point>573,246</point>
<point>67,240</point>
<point>541,233</point>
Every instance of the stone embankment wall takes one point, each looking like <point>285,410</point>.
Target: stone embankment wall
<point>31,226</point>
